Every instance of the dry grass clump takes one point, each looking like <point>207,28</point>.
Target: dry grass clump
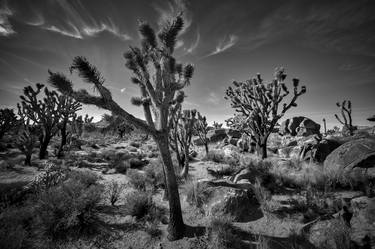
<point>196,193</point>
<point>222,234</point>
<point>137,179</point>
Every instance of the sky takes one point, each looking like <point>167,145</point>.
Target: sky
<point>328,45</point>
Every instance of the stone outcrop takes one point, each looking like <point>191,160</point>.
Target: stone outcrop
<point>299,126</point>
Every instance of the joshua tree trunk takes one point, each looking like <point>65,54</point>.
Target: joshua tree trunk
<point>176,225</point>
<point>60,153</point>
<point>206,148</point>
<point>28,159</point>
<point>43,147</point>
<point>185,169</point>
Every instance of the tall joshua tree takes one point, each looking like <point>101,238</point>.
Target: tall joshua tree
<point>346,113</point>
<point>8,121</point>
<point>181,135</point>
<point>259,103</point>
<point>160,80</point>
<point>68,109</point>
<point>201,128</point>
<point>27,139</point>
<point>44,113</point>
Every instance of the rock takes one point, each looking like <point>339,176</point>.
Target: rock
<point>218,170</point>
<point>244,174</point>
<point>333,234</point>
<point>307,128</point>
<point>136,163</point>
<point>363,220</point>
<point>216,135</point>
<point>240,204</point>
<point>95,146</point>
<point>356,153</point>
<point>129,219</point>
<point>318,150</point>
<point>299,126</point>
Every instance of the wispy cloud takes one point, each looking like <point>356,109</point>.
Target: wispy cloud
<point>78,23</point>
<point>194,45</point>
<point>6,28</point>
<point>75,33</point>
<point>172,9</point>
<point>226,43</point>
<point>356,67</point>
<point>213,98</point>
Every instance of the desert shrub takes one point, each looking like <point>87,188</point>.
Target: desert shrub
<point>263,196</point>
<point>86,177</point>
<point>52,175</point>
<point>137,179</point>
<point>152,229</point>
<point>68,207</point>
<point>114,191</point>
<point>222,234</point>
<point>122,166</point>
<point>196,194</point>
<point>337,236</point>
<point>340,179</point>
<point>138,204</point>
<point>155,174</point>
<point>15,227</point>
<point>216,156</point>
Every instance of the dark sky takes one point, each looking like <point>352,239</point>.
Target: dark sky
<point>328,45</point>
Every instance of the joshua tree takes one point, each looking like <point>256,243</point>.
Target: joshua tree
<point>201,128</point>
<point>78,123</point>
<point>68,109</point>
<point>161,80</point>
<point>346,113</point>
<point>258,102</point>
<point>45,113</point>
<point>217,125</point>
<point>116,124</point>
<point>8,121</point>
<point>27,139</point>
<point>181,135</point>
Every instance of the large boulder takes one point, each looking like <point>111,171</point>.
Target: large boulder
<point>318,150</point>
<point>216,135</point>
<point>359,153</point>
<point>233,133</point>
<point>299,126</point>
<point>363,221</point>
<point>239,204</point>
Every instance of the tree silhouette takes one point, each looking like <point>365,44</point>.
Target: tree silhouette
<point>258,102</point>
<point>160,80</point>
